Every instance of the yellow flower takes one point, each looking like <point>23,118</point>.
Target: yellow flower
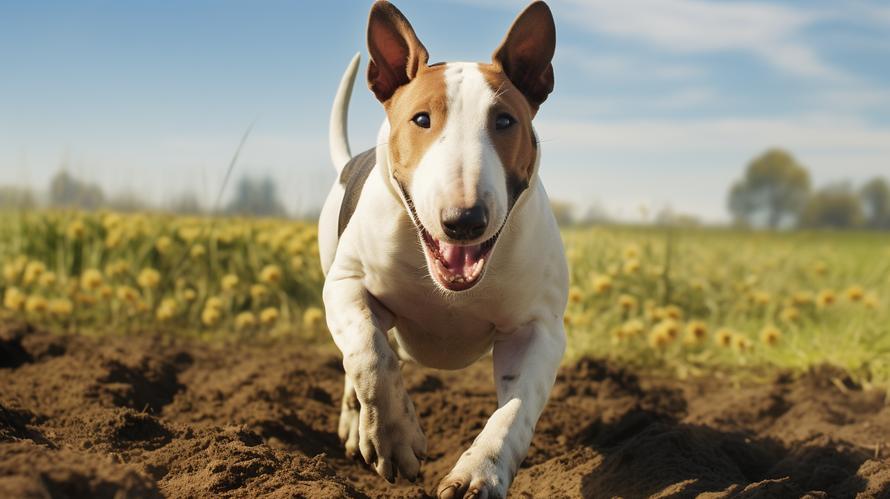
<point>33,271</point>
<point>673,312</point>
<point>313,318</point>
<point>825,298</point>
<point>214,302</point>
<point>670,327</point>
<point>85,299</point>
<point>741,343</point>
<point>163,244</point>
<point>296,263</point>
<point>189,295</point>
<point>871,302</point>
<point>127,294</point>
<point>91,279</point>
<point>48,279</point>
<point>270,274</point>
<point>659,338</point>
<point>761,298</point>
<point>602,284</point>
<point>61,307</point>
<point>197,251</point>
<point>269,316</point>
<point>245,320</point>
<point>75,230</point>
<point>575,295</point>
<point>790,314</point>
<point>631,266</point>
<point>696,332</point>
<point>632,328</point>
<point>724,337</point>
<point>820,268</point>
<point>627,303</point>
<point>114,238</point>
<point>802,298</point>
<point>229,281</point>
<point>770,335</point>
<point>855,293</point>
<point>35,304</point>
<point>210,316</point>
<point>631,251</point>
<point>149,278</point>
<point>258,291</point>
<point>117,267</point>
<point>14,299</point>
<point>166,310</point>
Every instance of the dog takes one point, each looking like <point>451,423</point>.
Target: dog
<point>439,246</point>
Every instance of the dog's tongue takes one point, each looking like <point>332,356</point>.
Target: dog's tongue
<point>460,259</point>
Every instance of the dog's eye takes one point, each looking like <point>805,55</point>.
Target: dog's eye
<point>422,120</point>
<point>504,121</point>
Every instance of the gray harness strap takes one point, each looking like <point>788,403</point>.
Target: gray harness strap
<point>352,178</point>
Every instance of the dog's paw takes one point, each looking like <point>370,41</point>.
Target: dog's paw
<point>348,427</point>
<point>391,440</point>
<point>474,478</point>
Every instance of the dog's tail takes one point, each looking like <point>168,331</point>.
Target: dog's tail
<point>338,139</point>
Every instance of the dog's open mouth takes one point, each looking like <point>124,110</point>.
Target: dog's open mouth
<point>455,267</point>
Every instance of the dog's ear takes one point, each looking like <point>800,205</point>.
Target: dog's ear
<point>396,53</point>
<point>526,52</point>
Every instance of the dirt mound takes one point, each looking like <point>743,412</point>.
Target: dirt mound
<point>143,417</point>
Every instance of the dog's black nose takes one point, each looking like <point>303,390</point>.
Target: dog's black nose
<point>465,224</point>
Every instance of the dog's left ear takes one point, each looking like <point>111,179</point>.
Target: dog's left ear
<point>526,52</point>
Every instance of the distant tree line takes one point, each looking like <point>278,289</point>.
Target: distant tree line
<point>776,192</point>
<point>253,197</point>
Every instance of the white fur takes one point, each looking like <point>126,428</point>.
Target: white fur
<point>377,289</point>
<point>462,167</point>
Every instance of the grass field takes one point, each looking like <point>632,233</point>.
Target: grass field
<point>681,300</point>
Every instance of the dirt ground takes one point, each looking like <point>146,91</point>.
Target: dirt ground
<point>141,417</point>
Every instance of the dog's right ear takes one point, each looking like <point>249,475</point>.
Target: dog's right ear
<point>396,53</point>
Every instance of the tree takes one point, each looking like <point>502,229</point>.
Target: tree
<point>68,191</point>
<point>773,191</point>
<point>836,206</point>
<point>19,198</point>
<point>257,197</point>
<point>875,196</point>
<point>563,212</point>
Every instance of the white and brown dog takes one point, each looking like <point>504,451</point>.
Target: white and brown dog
<point>439,246</point>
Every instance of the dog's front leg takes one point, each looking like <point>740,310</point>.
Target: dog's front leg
<point>389,436</point>
<point>525,365</point>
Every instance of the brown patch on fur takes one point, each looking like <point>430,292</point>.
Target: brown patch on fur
<point>516,146</point>
<point>407,141</point>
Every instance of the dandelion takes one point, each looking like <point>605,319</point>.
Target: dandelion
<point>60,307</point>
<point>627,303</point>
<point>820,268</point>
<point>632,328</point>
<point>11,270</point>
<point>297,263</point>
<point>35,304</point>
<point>189,295</point>
<point>75,230</point>
<point>106,292</point>
<point>659,338</point>
<point>47,279</point>
<point>33,270</point>
<point>871,302</point>
<point>14,299</point>
<point>313,317</point>
<point>163,244</point>
<point>258,291</point>
<point>91,279</point>
<point>761,298</point>
<point>575,295</point>
<point>602,283</point>
<point>825,298</point>
<point>671,328</point>
<point>214,302</point>
<point>269,316</point>
<point>855,293</point>
<point>117,268</point>
<point>696,332</point>
<point>673,312</point>
<point>127,294</point>
<point>210,316</point>
<point>741,344</point>
<point>149,278</point>
<point>567,320</point>
<point>85,299</point>
<point>790,314</point>
<point>166,310</point>
<point>271,274</point>
<point>245,320</point>
<point>631,266</point>
<point>724,337</point>
<point>197,251</point>
<point>229,281</point>
<point>802,298</point>
<point>114,238</point>
<point>770,335</point>
<point>631,251</point>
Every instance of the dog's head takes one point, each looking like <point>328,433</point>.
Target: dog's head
<point>461,145</point>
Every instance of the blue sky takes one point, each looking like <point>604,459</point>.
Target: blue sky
<point>658,103</point>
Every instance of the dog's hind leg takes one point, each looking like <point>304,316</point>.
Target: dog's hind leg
<point>525,365</point>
